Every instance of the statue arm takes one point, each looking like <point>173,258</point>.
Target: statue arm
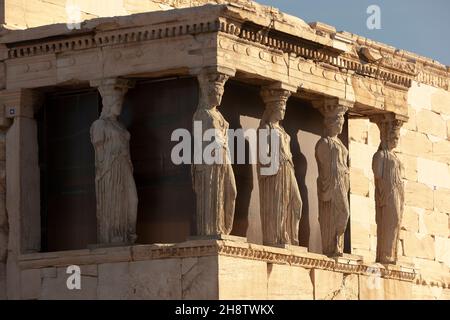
<point>377,166</point>
<point>266,147</point>
<point>380,192</point>
<point>323,157</point>
<point>207,123</point>
<point>98,140</point>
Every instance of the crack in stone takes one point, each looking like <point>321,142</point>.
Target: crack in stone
<point>186,287</point>
<point>342,289</point>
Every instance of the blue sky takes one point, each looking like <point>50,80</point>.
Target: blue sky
<point>419,26</point>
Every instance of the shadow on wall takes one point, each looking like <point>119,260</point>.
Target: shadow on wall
<point>243,107</point>
<point>304,124</point>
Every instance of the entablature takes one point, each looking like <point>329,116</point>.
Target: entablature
<point>258,43</point>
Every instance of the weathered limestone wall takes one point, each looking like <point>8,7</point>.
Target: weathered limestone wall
<point>424,149</point>
<point>20,14</point>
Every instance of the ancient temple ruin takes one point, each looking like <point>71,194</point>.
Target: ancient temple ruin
<point>359,208</point>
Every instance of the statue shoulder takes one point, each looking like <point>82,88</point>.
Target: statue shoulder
<point>323,149</point>
<point>264,126</point>
<point>323,145</point>
<point>203,116</point>
<point>378,157</point>
<point>97,130</point>
<point>378,163</point>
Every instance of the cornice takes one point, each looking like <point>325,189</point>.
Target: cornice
<point>316,43</point>
<point>112,37</point>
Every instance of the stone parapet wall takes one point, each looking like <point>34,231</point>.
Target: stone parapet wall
<point>217,269</point>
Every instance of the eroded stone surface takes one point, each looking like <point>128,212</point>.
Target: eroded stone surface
<point>330,285</point>
<point>56,288</point>
<point>376,288</point>
<point>418,245</point>
<point>155,279</point>
<point>249,283</point>
<point>199,278</point>
<point>429,122</point>
<point>288,283</point>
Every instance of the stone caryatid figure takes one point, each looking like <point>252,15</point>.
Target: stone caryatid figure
<point>213,181</point>
<point>280,201</point>
<point>333,183</point>
<point>114,183</point>
<point>389,189</point>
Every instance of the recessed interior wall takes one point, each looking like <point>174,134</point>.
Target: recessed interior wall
<point>166,212</point>
<point>66,161</point>
<point>152,111</point>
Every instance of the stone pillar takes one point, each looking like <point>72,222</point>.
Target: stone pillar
<point>389,188</point>
<point>5,123</point>
<point>333,183</point>
<point>22,181</point>
<point>116,192</point>
<point>212,174</point>
<point>280,200</point>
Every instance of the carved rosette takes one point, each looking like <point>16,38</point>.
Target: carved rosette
<point>389,188</point>
<point>333,183</point>
<point>114,182</point>
<point>214,184</point>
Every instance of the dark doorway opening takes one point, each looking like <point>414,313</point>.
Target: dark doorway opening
<point>66,160</point>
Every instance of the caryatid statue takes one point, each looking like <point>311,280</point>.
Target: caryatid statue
<point>212,177</point>
<point>280,201</point>
<point>389,188</point>
<point>114,183</point>
<point>333,183</point>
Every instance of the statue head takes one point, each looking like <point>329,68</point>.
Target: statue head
<point>275,101</point>
<point>278,112</point>
<point>212,86</point>
<point>333,111</point>
<point>389,130</point>
<point>334,125</point>
<point>112,98</point>
<point>390,134</point>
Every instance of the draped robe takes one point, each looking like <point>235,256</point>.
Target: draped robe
<point>280,201</point>
<point>333,185</point>
<point>214,184</point>
<point>389,199</point>
<point>114,183</point>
